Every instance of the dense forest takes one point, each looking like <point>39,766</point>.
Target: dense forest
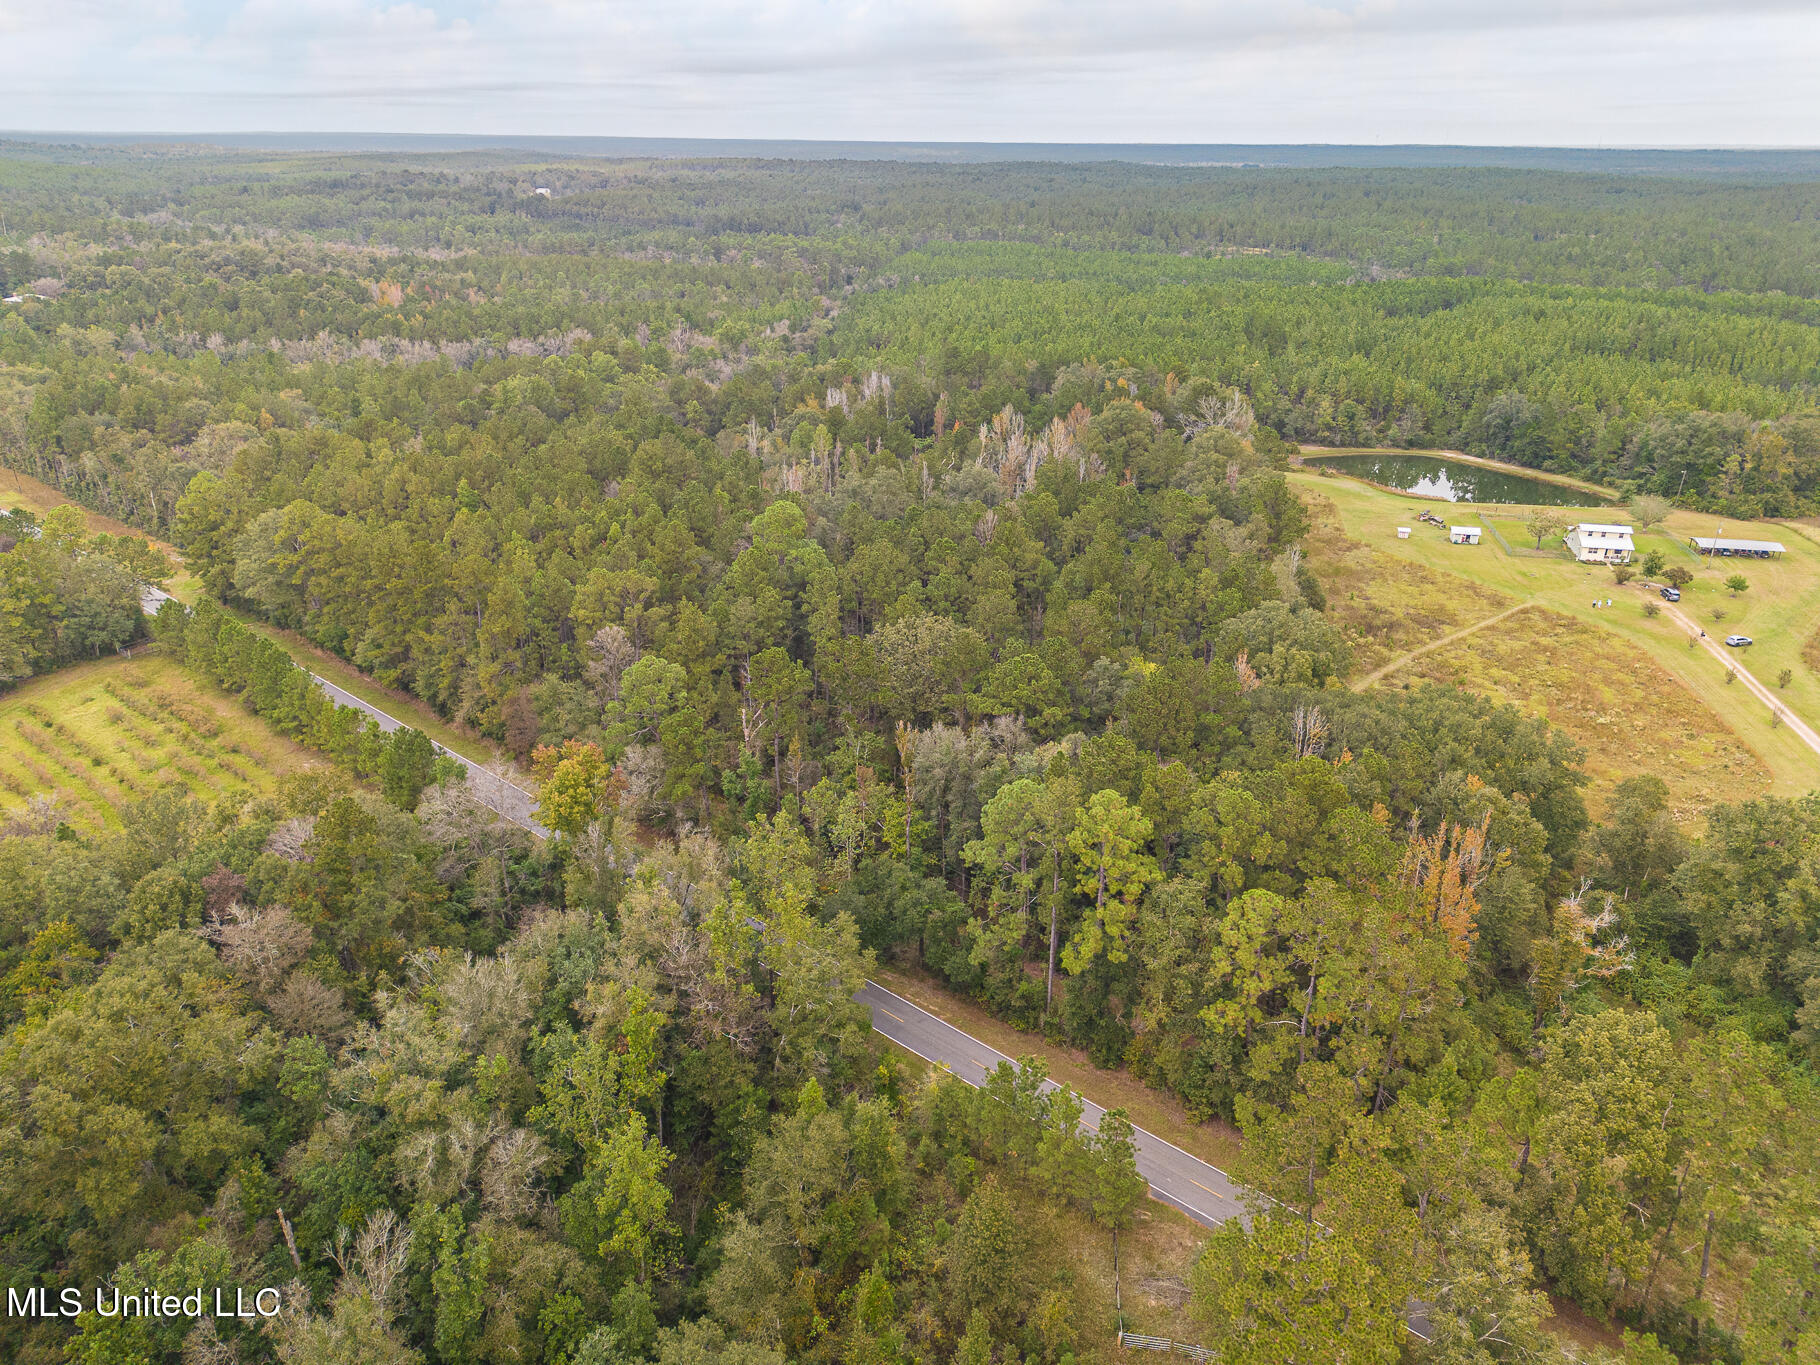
<point>1650,333</point>
<point>878,564</point>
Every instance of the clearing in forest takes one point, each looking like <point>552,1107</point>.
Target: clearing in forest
<point>1386,606</point>
<point>101,735</point>
<point>1629,713</point>
<point>1393,596</point>
<point>37,497</point>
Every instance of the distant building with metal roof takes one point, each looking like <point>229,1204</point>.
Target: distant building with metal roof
<point>1750,549</point>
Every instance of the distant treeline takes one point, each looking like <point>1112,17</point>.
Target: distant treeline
<point>1544,226</point>
<point>1655,334</point>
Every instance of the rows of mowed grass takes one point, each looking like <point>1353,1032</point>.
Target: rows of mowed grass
<point>102,735</point>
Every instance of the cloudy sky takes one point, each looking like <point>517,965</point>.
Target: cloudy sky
<point>1576,72</point>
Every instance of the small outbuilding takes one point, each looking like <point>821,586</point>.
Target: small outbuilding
<point>1595,542</point>
<point>1463,535</point>
<point>1747,549</point>
<point>1402,533</point>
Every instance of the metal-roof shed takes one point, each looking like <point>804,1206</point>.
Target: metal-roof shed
<point>1718,545</point>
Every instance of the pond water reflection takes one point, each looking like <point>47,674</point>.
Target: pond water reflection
<point>1434,476</point>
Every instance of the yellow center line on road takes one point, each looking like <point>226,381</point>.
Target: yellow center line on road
<point>1199,1186</point>
<point>886,1011</point>
<point>1176,1201</point>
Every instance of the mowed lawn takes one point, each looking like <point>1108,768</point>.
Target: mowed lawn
<point>100,735</point>
<point>1779,610</point>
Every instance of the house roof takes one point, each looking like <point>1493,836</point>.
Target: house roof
<point>1596,528</point>
<point>1465,530</point>
<point>1711,543</point>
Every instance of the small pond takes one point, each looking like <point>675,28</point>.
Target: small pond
<point>1434,476</point>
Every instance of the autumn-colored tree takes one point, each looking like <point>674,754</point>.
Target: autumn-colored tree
<point>574,782</point>
<point>1442,873</point>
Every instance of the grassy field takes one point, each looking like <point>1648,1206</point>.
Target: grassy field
<point>21,490</point>
<point>1629,715</point>
<point>97,736</point>
<point>1614,677</point>
<point>1387,606</point>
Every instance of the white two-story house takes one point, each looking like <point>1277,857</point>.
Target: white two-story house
<point>1594,543</point>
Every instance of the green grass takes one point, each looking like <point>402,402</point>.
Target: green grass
<point>1674,549</point>
<point>1522,542</point>
<point>101,735</point>
<point>1630,716</point>
<point>1779,610</point>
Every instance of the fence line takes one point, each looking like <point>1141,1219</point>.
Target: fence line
<point>1496,534</point>
<point>1515,551</point>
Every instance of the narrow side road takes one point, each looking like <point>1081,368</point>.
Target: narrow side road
<point>506,799</point>
<point>1731,659</point>
<point>1186,1183</point>
<point>1464,631</point>
<point>1183,1182</point>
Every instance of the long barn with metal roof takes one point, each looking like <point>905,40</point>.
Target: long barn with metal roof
<point>1749,549</point>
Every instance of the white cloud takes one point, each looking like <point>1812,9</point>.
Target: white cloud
<point>1656,72</point>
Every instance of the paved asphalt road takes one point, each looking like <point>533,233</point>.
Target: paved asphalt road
<point>1183,1182</point>
<point>503,798</point>
<point>489,788</point>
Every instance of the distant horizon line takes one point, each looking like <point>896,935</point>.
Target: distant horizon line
<point>1739,163</point>
<point>112,135</point>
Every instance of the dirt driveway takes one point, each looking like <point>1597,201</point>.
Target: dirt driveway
<point>1730,657</point>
